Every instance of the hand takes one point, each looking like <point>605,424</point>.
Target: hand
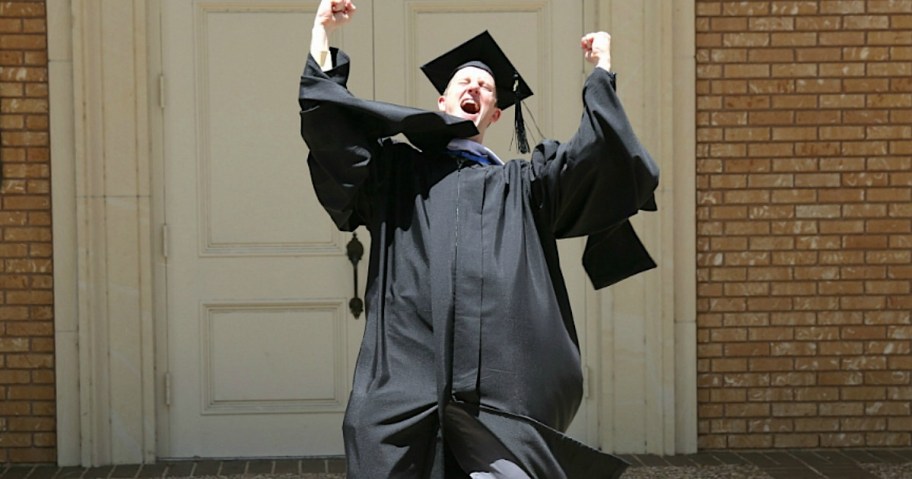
<point>597,49</point>
<point>332,14</point>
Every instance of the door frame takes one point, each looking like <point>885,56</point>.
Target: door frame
<point>108,193</point>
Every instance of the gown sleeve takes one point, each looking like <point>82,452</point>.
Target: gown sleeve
<point>602,175</point>
<point>341,146</point>
<point>592,184</point>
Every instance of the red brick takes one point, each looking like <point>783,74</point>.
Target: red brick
<point>729,274</point>
<point>767,212</point>
<point>886,408</point>
<point>793,39</point>
<point>890,38</point>
<point>729,119</point>
<point>841,38</point>
<point>770,243</point>
<point>863,424</point>
<point>796,440</point>
<point>898,332</point>
<point>820,85</point>
<point>815,425</point>
<point>821,304</point>
<point>889,6</point>
<point>842,6</point>
<point>889,257</point>
<point>769,395</point>
<point>30,361</point>
<point>44,440</point>
<point>745,8</point>
<point>891,439</point>
<point>721,24</point>
<point>13,377</point>
<point>842,409</point>
<point>794,409</point>
<point>862,303</point>
<point>15,439</point>
<point>845,70</point>
<point>746,39</point>
<point>887,377</point>
<point>771,55</point>
<point>899,424</point>
<point>841,348</point>
<point>843,440</point>
<point>866,116</point>
<point>21,424</point>
<point>866,22</point>
<point>793,349</point>
<point>841,318</point>
<point>793,289</point>
<point>899,393</point>
<point>31,392</point>
<point>33,455</point>
<point>816,272</point>
<point>843,226</point>
<point>707,441</point>
<point>849,374</point>
<point>888,163</point>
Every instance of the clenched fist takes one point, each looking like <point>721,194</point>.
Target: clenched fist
<point>332,14</point>
<point>597,49</point>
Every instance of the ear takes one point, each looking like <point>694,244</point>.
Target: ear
<point>496,115</point>
<point>441,103</point>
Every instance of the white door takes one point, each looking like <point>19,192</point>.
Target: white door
<point>260,341</point>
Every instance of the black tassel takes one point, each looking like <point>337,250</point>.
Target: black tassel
<point>519,126</point>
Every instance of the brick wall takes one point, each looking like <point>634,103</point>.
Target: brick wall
<point>27,407</point>
<point>804,150</point>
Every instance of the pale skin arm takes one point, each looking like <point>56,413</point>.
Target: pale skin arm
<point>331,14</point>
<point>597,49</point>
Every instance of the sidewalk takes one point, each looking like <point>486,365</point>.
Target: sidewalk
<point>799,464</point>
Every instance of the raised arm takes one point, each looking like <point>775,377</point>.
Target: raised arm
<point>341,145</point>
<point>602,175</point>
<point>331,14</point>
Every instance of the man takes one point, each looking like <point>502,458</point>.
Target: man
<point>469,365</point>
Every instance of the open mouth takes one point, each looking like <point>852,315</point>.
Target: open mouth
<point>469,106</point>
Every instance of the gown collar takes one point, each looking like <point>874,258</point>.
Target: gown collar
<point>474,151</point>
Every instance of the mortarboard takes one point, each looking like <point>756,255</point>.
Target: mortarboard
<point>483,52</point>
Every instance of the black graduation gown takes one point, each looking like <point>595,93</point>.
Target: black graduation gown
<point>465,302</point>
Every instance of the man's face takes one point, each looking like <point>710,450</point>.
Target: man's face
<point>471,95</point>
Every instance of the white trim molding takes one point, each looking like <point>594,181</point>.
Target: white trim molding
<point>63,191</point>
<point>648,344</point>
<point>102,224</point>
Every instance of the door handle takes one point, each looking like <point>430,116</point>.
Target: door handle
<point>355,251</point>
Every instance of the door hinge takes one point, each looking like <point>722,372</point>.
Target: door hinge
<point>167,389</point>
<point>165,239</point>
<point>161,91</point>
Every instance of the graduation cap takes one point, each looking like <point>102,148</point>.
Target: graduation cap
<point>483,52</point>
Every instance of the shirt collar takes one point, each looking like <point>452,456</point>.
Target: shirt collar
<point>475,148</point>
